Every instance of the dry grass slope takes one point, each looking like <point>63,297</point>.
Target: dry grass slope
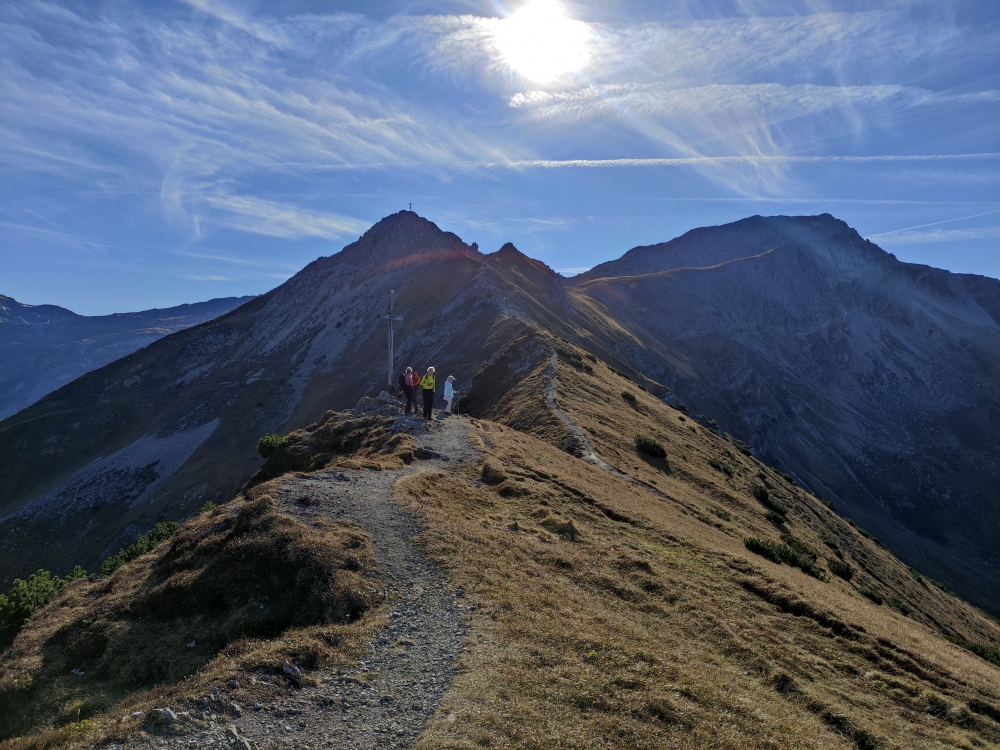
<point>625,611</point>
<point>229,582</point>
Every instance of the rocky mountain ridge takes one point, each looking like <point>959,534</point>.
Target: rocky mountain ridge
<point>875,383</point>
<point>43,347</point>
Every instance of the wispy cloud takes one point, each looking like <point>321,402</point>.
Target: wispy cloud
<point>920,236</point>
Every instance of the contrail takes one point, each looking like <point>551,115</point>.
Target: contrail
<point>652,162</point>
<point>934,223</point>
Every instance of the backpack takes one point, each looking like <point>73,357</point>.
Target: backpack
<point>402,380</point>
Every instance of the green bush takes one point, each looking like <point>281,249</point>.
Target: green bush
<point>744,449</point>
<point>982,650</point>
<point>898,606</point>
<point>208,506</point>
<point>143,544</point>
<point>650,447</point>
<point>590,356</point>
<point>722,514</point>
<point>773,551</point>
<point>774,517</point>
<point>628,396</point>
<point>764,498</point>
<point>719,466</point>
<point>618,372</point>
<point>793,553</point>
<point>832,544</point>
<point>840,568</point>
<point>269,444</point>
<point>872,595</point>
<point>26,597</point>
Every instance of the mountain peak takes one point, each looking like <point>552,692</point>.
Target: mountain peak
<point>408,235</point>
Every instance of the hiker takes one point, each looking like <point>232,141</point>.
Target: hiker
<point>413,381</point>
<point>406,386</point>
<point>449,393</point>
<point>427,382</point>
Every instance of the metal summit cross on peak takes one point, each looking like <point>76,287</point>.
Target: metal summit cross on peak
<point>390,317</point>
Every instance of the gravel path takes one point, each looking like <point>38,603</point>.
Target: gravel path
<point>385,701</point>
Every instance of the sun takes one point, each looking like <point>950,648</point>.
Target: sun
<point>540,43</point>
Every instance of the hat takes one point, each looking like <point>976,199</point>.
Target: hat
<point>451,377</point>
<point>430,369</point>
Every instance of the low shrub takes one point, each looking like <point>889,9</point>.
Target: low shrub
<point>832,544</point>
<point>650,447</point>
<point>773,551</point>
<point>871,595</point>
<point>26,597</point>
<point>268,444</point>
<point>899,606</point>
<point>618,372</point>
<point>840,568</point>
<point>590,356</point>
<point>722,514</point>
<point>720,466</point>
<point>775,517</point>
<point>208,506</point>
<point>143,544</point>
<point>792,552</point>
<point>983,650</point>
<point>762,496</point>
<point>628,396</point>
<point>745,450</point>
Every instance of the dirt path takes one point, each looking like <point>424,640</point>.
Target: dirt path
<point>387,700</point>
<point>587,452</point>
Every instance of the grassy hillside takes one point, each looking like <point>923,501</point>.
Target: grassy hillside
<point>607,607</point>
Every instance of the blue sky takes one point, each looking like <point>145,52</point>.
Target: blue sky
<point>160,153</point>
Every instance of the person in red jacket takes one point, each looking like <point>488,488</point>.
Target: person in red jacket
<point>408,380</point>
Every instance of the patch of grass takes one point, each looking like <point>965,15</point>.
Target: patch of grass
<point>619,373</point>
<point>26,597</point>
<point>208,506</point>
<point>745,450</point>
<point>792,552</point>
<point>773,551</point>
<point>983,650</point>
<point>147,542</point>
<point>761,475</point>
<point>574,357</point>
<point>830,542</point>
<point>720,466</point>
<point>762,496</point>
<point>840,568</point>
<point>872,595</point>
<point>628,396</point>
<point>590,356</point>
<point>650,447</point>
<point>721,514</point>
<point>775,517</point>
<point>899,606</point>
<point>209,603</point>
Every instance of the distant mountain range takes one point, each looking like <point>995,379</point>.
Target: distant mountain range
<point>874,383</point>
<point>43,347</point>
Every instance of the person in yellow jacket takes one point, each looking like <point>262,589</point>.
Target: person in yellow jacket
<point>427,384</point>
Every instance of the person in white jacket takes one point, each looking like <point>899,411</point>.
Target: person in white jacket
<point>449,393</point>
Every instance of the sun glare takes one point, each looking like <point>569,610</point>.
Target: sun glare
<point>540,43</point>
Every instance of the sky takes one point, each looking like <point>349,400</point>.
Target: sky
<point>157,153</point>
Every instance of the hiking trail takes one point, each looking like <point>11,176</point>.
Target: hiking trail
<point>386,700</point>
